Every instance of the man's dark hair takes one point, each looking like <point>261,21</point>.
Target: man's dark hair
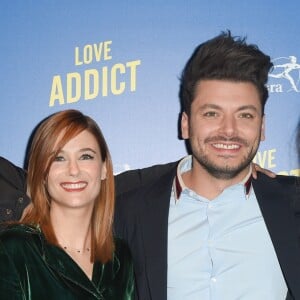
<point>225,58</point>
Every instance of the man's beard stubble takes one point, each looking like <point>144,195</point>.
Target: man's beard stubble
<point>224,172</point>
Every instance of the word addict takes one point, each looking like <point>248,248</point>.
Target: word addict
<point>114,80</point>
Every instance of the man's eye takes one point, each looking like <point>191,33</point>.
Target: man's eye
<point>246,116</point>
<point>86,157</point>
<point>210,114</point>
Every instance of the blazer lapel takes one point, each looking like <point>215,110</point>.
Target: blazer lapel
<point>276,206</point>
<point>154,226</point>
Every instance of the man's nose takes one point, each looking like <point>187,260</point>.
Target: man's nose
<point>229,126</point>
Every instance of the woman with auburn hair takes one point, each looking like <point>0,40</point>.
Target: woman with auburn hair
<point>64,248</point>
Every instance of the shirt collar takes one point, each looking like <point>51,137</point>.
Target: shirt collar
<point>186,164</point>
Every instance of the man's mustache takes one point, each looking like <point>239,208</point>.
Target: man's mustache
<point>219,138</point>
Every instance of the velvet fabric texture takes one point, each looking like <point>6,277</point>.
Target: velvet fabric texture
<point>31,268</point>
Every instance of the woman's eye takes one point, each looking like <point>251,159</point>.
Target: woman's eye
<point>86,156</point>
<point>59,158</point>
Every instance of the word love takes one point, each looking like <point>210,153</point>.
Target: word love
<point>91,53</point>
<point>266,159</point>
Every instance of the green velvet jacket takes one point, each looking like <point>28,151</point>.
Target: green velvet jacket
<point>30,268</point>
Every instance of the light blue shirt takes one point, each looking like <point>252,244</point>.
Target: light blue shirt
<point>220,249</point>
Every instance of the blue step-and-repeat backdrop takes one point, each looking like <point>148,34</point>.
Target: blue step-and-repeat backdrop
<point>119,62</point>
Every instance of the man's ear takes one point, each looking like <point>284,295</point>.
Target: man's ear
<point>262,130</point>
<point>185,126</point>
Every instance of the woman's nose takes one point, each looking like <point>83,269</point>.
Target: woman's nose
<point>73,168</point>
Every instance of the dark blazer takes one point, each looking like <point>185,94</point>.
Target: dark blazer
<point>142,219</point>
<point>31,269</point>
<point>13,198</point>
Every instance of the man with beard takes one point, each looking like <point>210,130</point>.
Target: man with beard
<point>204,228</point>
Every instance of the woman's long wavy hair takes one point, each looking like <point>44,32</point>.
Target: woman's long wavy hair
<point>48,140</point>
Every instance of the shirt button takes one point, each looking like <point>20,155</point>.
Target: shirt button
<point>8,211</point>
<point>210,206</point>
<point>20,200</point>
<point>214,279</point>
